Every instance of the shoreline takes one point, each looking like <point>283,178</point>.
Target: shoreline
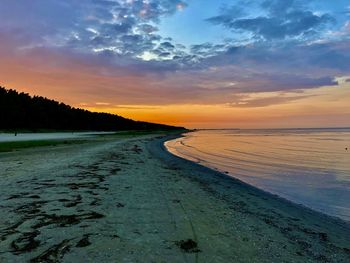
<point>130,200</point>
<point>230,180</point>
<point>254,188</point>
<point>219,181</point>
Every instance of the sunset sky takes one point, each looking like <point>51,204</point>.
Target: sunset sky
<point>195,63</point>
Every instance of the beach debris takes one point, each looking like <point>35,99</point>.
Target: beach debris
<point>15,196</point>
<point>84,242</point>
<point>323,236</point>
<point>115,170</point>
<point>119,205</point>
<point>59,220</point>
<point>136,149</point>
<point>189,246</point>
<point>53,254</point>
<point>26,242</point>
<point>75,202</point>
<point>66,220</point>
<point>34,196</point>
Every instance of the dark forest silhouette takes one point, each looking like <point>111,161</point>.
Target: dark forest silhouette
<point>20,111</point>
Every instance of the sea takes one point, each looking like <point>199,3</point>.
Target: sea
<point>306,166</point>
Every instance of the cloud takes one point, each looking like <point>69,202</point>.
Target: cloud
<point>282,19</point>
<point>283,82</point>
<point>294,24</point>
<point>147,28</point>
<point>121,27</point>
<point>114,50</point>
<point>299,59</point>
<point>268,101</point>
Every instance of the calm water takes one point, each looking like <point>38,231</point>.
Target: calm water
<point>310,167</point>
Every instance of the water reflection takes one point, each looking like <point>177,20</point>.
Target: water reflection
<point>310,166</point>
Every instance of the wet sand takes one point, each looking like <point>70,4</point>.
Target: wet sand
<point>128,200</point>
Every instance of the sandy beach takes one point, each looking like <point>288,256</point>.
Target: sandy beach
<point>18,137</point>
<point>129,200</point>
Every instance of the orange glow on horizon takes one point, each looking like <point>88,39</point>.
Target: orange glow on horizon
<point>141,97</point>
<point>311,112</point>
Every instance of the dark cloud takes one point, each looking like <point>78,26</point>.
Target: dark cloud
<point>147,28</point>
<point>294,24</point>
<point>284,19</point>
<point>289,57</point>
<point>167,45</point>
<point>286,82</point>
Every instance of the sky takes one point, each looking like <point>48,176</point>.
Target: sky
<point>192,63</point>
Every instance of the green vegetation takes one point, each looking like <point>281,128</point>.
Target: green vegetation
<point>19,111</point>
<point>18,145</point>
<point>11,146</point>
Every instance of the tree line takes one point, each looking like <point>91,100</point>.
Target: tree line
<point>20,111</point>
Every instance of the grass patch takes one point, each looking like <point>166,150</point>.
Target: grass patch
<point>17,145</point>
<point>11,146</point>
<point>40,131</point>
